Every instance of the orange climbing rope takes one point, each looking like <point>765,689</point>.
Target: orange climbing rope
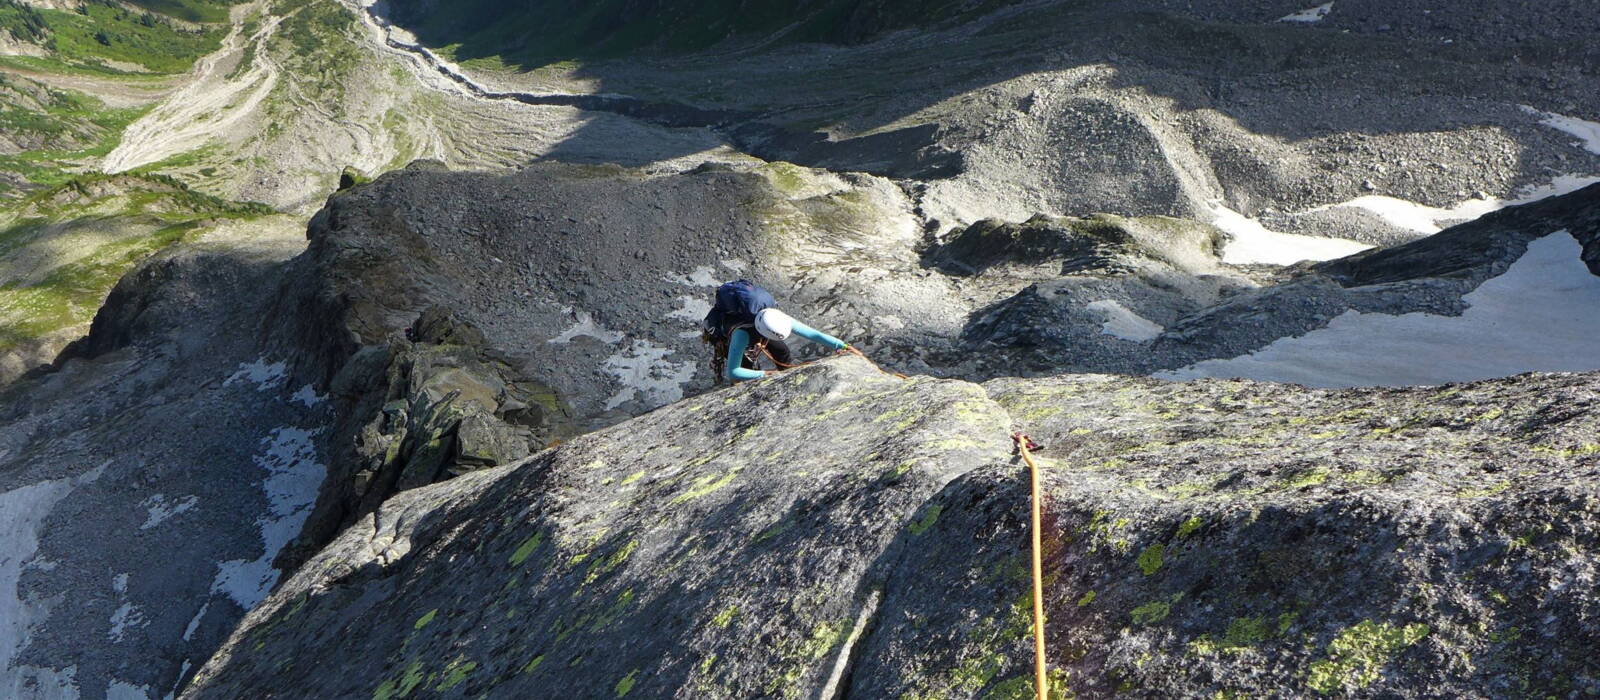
<point>1023,445</point>
<point>852,349</point>
<point>848,348</point>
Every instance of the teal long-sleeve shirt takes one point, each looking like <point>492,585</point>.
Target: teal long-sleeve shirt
<point>739,341</point>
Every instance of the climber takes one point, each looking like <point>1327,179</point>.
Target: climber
<point>741,306</point>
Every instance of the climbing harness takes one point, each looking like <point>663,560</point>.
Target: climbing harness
<point>762,346</point>
<point>1024,446</point>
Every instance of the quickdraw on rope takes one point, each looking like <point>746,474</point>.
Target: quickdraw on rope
<point>1024,446</point>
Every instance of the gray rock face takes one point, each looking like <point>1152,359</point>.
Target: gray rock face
<point>1208,537</point>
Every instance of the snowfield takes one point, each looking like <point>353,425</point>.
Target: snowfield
<point>1541,315</point>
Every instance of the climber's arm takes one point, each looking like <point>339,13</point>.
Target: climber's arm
<point>817,336</point>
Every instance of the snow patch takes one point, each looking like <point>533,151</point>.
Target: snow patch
<point>1256,244</point>
<point>1412,216</point>
<point>22,512</point>
<point>183,672</point>
<point>1422,218</point>
<point>308,396</point>
<point>586,327</point>
<point>647,376</point>
<point>691,309</point>
<point>160,509</point>
<point>127,616</point>
<point>1309,15</point>
<point>1587,132</point>
<point>735,265</point>
<point>293,478</point>
<point>265,376</point>
<point>703,276</point>
<point>120,690</point>
<point>194,622</point>
<point>1124,323</point>
<point>1537,316</point>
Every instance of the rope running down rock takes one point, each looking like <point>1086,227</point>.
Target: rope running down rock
<point>1039,683</point>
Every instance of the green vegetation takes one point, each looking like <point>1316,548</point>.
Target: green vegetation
<point>69,128</point>
<point>206,11</point>
<point>22,21</point>
<point>705,485</point>
<point>103,30</point>
<point>402,686</point>
<point>314,32</point>
<point>133,216</point>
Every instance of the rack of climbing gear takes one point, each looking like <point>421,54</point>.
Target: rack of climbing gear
<point>1025,446</point>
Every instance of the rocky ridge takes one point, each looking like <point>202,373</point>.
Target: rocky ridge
<point>1205,537</point>
<point>444,322</point>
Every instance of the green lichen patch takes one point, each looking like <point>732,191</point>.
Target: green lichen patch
<point>1022,688</point>
<point>1305,478</point>
<point>1151,612</point>
<point>613,612</point>
<point>1359,653</point>
<point>525,549</point>
<point>1103,531</point>
<point>401,687</point>
<point>607,564</point>
<point>724,618</point>
<point>1484,491</point>
<point>1245,632</point>
<point>533,664</point>
<point>425,619</point>
<point>927,521</point>
<point>1188,527</point>
<point>1086,599</point>
<point>626,684</point>
<point>1150,559</point>
<point>455,673</point>
<point>824,637</point>
<point>705,485</point>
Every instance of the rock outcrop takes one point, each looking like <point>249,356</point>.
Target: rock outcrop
<point>839,530</point>
<point>150,480</point>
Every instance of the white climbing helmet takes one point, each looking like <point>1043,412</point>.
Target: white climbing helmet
<point>774,324</point>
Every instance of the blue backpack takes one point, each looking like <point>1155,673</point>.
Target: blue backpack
<point>738,302</point>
